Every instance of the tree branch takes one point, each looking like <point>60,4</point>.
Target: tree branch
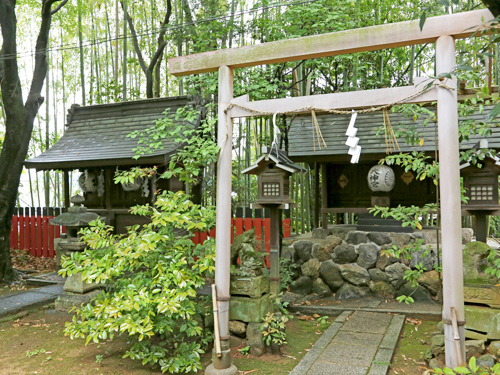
<point>58,8</point>
<point>134,39</point>
<point>35,100</point>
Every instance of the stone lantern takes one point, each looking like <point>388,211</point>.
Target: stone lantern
<point>481,189</point>
<point>76,218</point>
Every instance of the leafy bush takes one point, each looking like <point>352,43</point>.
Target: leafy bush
<point>151,277</point>
<point>472,368</point>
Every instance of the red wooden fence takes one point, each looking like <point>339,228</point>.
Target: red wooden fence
<point>32,231</point>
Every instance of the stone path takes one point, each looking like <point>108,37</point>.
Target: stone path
<point>359,343</point>
<point>13,303</point>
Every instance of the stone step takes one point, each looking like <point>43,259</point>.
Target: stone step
<point>385,228</point>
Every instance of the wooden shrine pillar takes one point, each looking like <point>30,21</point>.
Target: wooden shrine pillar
<point>67,203</point>
<point>449,192</point>
<point>316,196</point>
<point>324,197</point>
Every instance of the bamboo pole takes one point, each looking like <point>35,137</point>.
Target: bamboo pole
<point>216,321</point>
<point>453,287</point>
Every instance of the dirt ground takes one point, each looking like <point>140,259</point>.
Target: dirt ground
<point>37,345</point>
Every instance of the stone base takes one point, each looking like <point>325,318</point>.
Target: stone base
<point>482,294</point>
<point>483,320</point>
<point>67,301</point>
<point>250,310</point>
<point>74,284</point>
<point>249,286</point>
<point>211,370</point>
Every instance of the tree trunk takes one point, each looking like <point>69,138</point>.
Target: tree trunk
<point>19,117</point>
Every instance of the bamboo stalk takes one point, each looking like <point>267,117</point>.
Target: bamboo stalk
<point>218,350</point>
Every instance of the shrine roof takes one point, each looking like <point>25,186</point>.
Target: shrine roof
<point>371,135</point>
<point>97,135</point>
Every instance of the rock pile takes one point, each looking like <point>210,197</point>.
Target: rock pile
<point>351,264</point>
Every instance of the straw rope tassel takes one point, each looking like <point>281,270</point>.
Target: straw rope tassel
<point>319,135</point>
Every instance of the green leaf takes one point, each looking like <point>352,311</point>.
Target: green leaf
<point>423,17</point>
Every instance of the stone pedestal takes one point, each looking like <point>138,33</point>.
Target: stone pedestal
<point>253,287</point>
<point>483,294</point>
<point>68,301</point>
<point>250,310</point>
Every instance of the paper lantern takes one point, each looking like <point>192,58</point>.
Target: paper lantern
<point>381,178</point>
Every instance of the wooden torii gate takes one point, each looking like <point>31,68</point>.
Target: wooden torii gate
<point>442,31</point>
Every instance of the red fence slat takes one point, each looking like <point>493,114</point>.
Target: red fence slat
<point>14,232</point>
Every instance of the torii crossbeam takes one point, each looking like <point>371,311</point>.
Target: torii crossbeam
<point>442,31</point>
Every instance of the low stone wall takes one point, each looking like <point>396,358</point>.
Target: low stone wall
<point>350,264</point>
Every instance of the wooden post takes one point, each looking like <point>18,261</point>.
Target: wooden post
<point>449,186</point>
<point>223,363</point>
<point>324,196</point>
<point>316,196</point>
<point>66,188</point>
<point>275,214</point>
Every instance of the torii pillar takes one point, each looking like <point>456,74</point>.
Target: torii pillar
<point>223,365</point>
<point>449,193</point>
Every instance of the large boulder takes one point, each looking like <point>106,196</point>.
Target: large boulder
<point>384,260</point>
<point>320,288</point>
<point>237,328</point>
<point>349,291</point>
<point>354,274</point>
<point>289,253</point>
<point>322,251</point>
<point>475,261</point>
<point>254,339</point>
<point>303,249</point>
<point>418,292</point>
<point>320,233</point>
<point>400,239</point>
<point>303,285</point>
<point>382,289</point>
<point>330,273</point>
<point>356,237</point>
<point>333,241</point>
<point>368,255</point>
<point>311,268</point>
<point>428,259</point>
<point>343,254</point>
<point>377,275</point>
<point>473,348</point>
<point>395,273</point>
<point>379,238</point>
<point>430,280</point>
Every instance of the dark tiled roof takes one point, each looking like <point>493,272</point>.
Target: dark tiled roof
<point>333,128</point>
<point>97,135</point>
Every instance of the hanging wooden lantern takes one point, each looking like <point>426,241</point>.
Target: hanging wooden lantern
<point>273,170</point>
<point>481,189</point>
<point>481,184</point>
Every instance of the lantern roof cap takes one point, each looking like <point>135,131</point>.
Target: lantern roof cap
<point>280,159</point>
<point>483,143</point>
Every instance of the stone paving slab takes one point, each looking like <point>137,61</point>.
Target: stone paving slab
<point>13,303</point>
<point>359,343</point>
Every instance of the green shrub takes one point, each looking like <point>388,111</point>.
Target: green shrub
<point>150,278</point>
